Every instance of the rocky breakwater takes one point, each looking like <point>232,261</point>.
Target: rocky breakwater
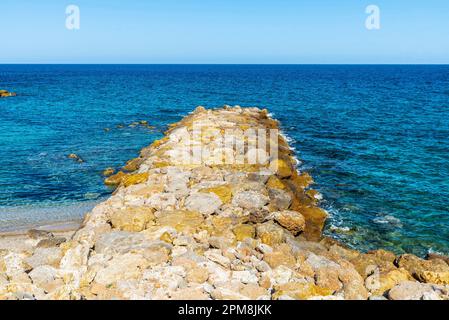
<point>208,227</point>
<point>5,94</point>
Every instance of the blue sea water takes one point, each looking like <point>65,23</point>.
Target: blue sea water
<point>375,138</point>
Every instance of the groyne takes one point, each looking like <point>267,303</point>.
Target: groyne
<point>214,210</point>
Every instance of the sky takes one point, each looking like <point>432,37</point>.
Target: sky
<point>225,31</point>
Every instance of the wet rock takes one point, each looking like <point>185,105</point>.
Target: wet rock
<point>75,157</point>
<point>108,172</point>
<point>5,94</point>
<point>116,179</point>
<point>281,168</point>
<point>133,165</point>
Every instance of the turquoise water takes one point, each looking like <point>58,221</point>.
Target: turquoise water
<point>375,138</point>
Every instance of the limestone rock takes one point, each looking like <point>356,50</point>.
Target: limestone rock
<point>133,219</point>
<point>250,200</point>
<point>291,220</point>
<point>244,231</point>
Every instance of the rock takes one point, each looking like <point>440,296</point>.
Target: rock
<point>270,234</point>
<point>45,277</point>
<point>279,258</point>
<point>37,234</point>
<point>244,231</point>
<point>5,94</point>
<point>434,256</point>
<point>133,165</point>
<point>434,277</point>
<point>301,291</point>
<point>44,256</point>
<point>133,219</point>
<point>75,157</point>
<point>181,220</point>
<point>279,199</point>
<point>409,290</point>
<point>206,203</point>
<point>380,283</point>
<point>315,219</point>
<point>300,181</point>
<point>197,274</point>
<point>122,267</point>
<point>224,192</point>
<point>275,183</point>
<point>108,172</point>
<point>424,270</point>
<point>281,168</point>
<point>291,220</point>
<point>245,277</point>
<point>250,200</point>
<point>216,256</point>
<point>115,179</point>
<point>51,242</point>
<point>120,242</point>
<point>136,178</point>
<point>190,294</point>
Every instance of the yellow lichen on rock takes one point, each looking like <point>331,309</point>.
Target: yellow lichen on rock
<point>224,192</point>
<point>115,179</point>
<point>244,231</point>
<point>135,179</point>
<point>133,219</point>
<point>133,164</point>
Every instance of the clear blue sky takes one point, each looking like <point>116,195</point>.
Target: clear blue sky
<point>225,31</point>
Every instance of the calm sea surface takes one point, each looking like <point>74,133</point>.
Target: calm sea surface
<point>375,138</point>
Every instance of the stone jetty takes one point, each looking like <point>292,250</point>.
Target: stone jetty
<point>191,219</point>
<point>5,94</point>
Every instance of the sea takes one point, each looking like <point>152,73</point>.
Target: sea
<point>374,137</point>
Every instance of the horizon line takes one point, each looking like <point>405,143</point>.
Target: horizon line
<point>224,64</point>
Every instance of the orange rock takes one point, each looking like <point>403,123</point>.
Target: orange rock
<point>115,179</point>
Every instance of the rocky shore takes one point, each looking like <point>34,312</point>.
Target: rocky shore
<point>211,230</point>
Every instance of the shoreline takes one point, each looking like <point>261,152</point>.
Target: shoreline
<point>176,230</point>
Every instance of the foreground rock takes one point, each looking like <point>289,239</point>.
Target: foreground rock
<point>211,230</point>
